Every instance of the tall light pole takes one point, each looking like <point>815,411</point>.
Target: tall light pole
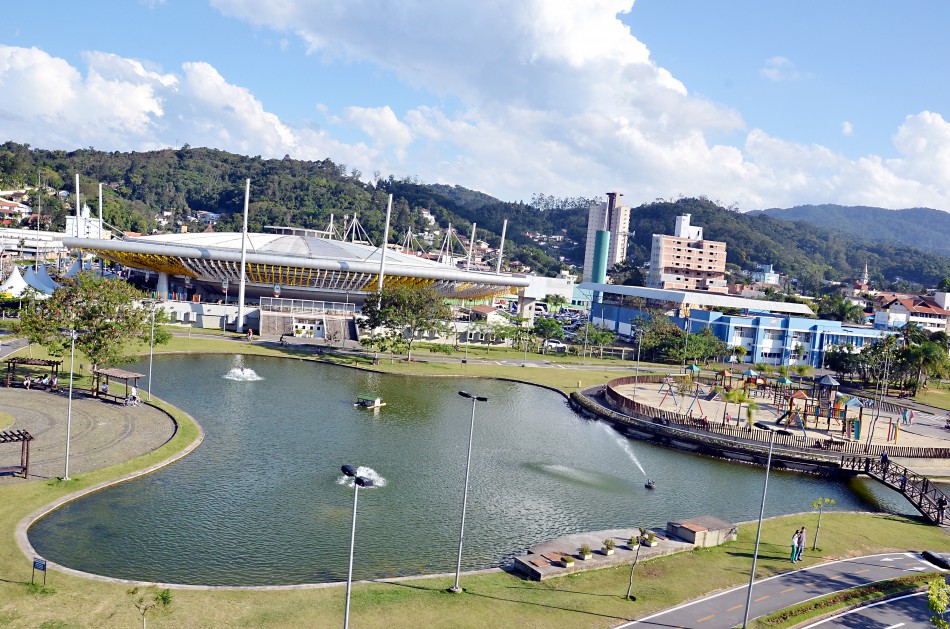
<point>636,381</point>
<point>73,335</point>
<point>224,286</point>
<point>758,532</point>
<point>358,481</point>
<point>151,352</point>
<point>686,342</point>
<point>468,466</point>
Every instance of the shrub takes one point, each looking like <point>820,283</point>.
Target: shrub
<point>585,549</point>
<point>609,543</point>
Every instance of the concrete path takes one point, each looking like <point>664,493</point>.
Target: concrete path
<point>909,610</point>
<point>726,609</point>
<point>102,433</point>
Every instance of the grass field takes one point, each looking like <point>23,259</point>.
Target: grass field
<point>592,599</point>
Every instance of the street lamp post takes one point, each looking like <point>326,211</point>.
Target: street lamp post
<point>224,286</point>
<point>73,335</point>
<point>686,343</point>
<point>468,465</point>
<point>151,352</point>
<point>758,532</point>
<point>358,481</point>
<point>636,381</point>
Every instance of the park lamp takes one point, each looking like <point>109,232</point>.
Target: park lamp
<point>358,481</point>
<point>73,335</point>
<point>758,532</point>
<point>468,466</point>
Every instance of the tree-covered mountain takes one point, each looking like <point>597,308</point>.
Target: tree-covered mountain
<point>922,228</point>
<point>286,191</point>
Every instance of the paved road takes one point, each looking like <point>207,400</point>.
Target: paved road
<point>903,611</point>
<point>726,609</point>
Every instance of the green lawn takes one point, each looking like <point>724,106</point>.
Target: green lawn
<point>592,599</point>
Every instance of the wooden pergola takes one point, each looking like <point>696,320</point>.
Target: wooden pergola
<point>13,363</point>
<point>114,374</point>
<point>23,438</point>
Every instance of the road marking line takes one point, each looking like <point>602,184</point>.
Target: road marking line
<point>861,571</point>
<point>733,607</point>
<point>788,590</point>
<point>705,618</point>
<point>837,576</point>
<point>761,598</point>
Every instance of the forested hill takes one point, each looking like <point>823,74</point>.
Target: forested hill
<point>923,228</point>
<point>302,193</point>
<point>798,248</point>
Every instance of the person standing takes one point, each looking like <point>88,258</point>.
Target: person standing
<point>941,508</point>
<point>801,544</point>
<point>794,546</point>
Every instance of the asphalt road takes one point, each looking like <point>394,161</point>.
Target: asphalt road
<point>902,611</point>
<point>726,609</point>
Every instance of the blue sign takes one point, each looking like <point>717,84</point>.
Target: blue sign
<point>39,564</point>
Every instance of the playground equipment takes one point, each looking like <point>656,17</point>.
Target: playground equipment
<point>667,389</point>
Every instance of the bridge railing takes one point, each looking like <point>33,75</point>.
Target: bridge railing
<point>923,494</point>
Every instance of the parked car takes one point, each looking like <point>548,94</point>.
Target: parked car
<point>554,344</point>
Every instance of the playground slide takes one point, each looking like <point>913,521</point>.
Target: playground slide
<point>712,395</point>
<point>782,418</point>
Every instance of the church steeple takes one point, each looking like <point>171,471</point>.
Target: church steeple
<point>864,276</point>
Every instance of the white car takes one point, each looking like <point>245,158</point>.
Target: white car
<point>556,345</point>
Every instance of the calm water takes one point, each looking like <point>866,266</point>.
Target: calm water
<point>260,502</point>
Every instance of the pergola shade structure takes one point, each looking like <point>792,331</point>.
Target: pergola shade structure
<point>303,264</point>
<point>23,438</point>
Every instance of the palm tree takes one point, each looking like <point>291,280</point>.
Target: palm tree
<point>913,334</point>
<point>930,358</point>
<point>735,395</point>
<point>555,301</point>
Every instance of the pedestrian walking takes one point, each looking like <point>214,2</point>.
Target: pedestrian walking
<point>941,508</point>
<point>910,416</point>
<point>884,461</point>
<point>794,546</point>
<point>801,544</point>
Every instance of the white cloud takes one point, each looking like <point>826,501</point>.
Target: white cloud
<point>553,96</point>
<point>847,128</point>
<point>780,69</point>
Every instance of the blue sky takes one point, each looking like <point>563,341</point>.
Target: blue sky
<point>758,104</point>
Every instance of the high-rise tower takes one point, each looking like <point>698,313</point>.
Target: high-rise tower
<point>607,216</point>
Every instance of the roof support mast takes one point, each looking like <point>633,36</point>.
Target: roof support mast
<point>382,254</point>
<point>239,324</point>
<point>471,246</point>
<point>501,248</point>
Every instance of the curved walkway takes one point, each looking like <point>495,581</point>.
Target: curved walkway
<point>102,433</point>
<point>726,609</point>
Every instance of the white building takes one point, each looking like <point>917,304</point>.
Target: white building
<point>614,217</point>
<point>83,226</point>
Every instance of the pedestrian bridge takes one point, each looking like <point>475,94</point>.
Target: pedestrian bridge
<point>919,490</point>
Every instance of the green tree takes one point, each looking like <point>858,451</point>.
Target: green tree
<point>149,599</point>
<point>406,312</point>
<point>600,337</point>
<point>820,504</point>
<point>938,598</point>
<point>107,312</point>
<point>548,328</point>
<point>555,302</point>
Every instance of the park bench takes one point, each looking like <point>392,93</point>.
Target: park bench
<point>11,470</point>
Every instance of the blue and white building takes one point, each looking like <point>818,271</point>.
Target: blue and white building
<point>772,332</point>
